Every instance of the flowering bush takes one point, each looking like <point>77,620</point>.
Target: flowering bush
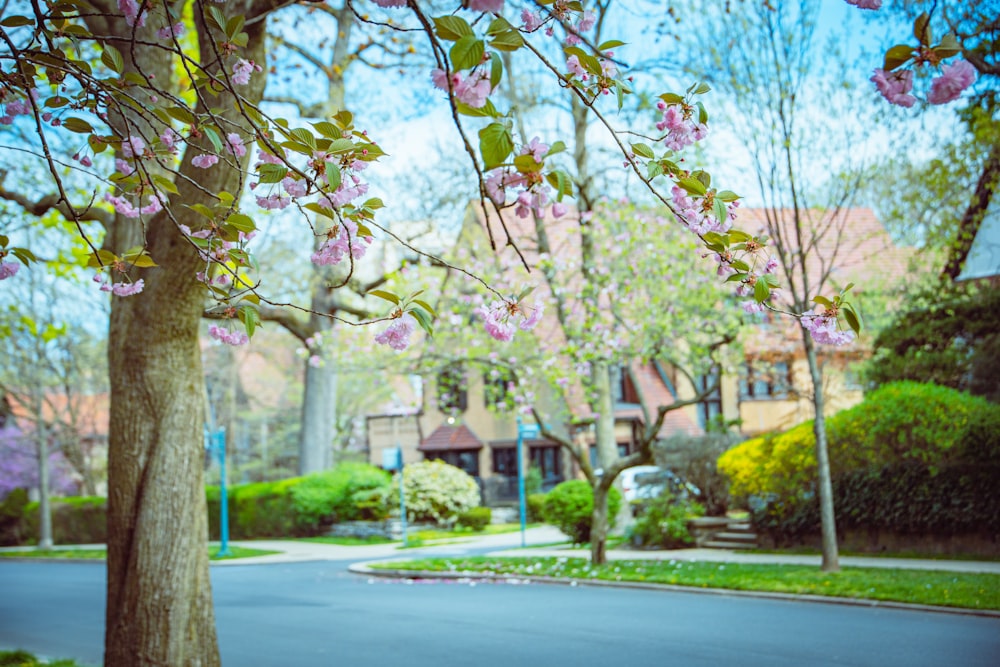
<point>570,505</point>
<point>438,492</point>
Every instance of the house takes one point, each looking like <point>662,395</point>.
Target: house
<point>464,416</point>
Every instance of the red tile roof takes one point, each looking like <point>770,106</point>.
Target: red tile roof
<point>449,437</point>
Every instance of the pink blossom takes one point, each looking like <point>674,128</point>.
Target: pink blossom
<point>531,20</point>
<point>175,30</point>
<point>397,334</point>
<point>895,86</point>
<point>536,149</point>
<point>558,210</point>
<point>8,269</point>
<point>345,240</point>
<point>502,318</point>
<point>752,307</point>
<point>587,21</point>
<point>264,157</point>
<point>127,289</point>
<point>130,10</point>
<point>495,6</point>
<point>390,3</point>
<point>243,69</point>
<point>170,138</point>
<point>474,90</point>
<point>865,4</point>
<point>273,202</point>
<point>122,206</point>
<point>315,361</point>
<point>823,329</point>
<point>574,67</point>
<point>228,337</point>
<point>124,167</point>
<point>293,187</point>
<point>235,143</point>
<point>953,80</point>
<point>18,108</point>
<point>440,79</point>
<point>154,206</point>
<point>133,147</point>
<point>205,160</point>
<point>86,161</point>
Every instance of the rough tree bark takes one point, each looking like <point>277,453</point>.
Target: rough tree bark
<point>159,602</point>
<point>831,559</point>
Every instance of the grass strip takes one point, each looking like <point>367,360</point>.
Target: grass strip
<point>99,554</point>
<point>947,589</point>
<point>348,541</point>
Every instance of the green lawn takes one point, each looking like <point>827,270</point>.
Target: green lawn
<point>99,554</point>
<point>949,589</point>
<point>349,541</point>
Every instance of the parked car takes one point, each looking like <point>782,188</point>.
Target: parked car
<point>643,483</point>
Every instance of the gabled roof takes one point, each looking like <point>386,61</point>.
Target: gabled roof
<point>448,437</point>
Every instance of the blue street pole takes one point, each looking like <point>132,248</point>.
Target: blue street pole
<point>520,480</point>
<point>402,495</point>
<point>220,443</point>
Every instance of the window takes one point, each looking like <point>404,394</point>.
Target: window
<point>466,459</point>
<point>710,408</point>
<point>760,380</point>
<point>505,461</point>
<point>548,461</point>
<point>451,391</point>
<point>622,390</point>
<point>498,389</point>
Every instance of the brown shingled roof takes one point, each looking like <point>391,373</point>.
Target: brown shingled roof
<point>449,437</point>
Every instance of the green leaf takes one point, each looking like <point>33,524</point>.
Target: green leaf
<point>328,130</point>
<point>467,52</point>
<point>761,290</point>
<point>557,147</point>
<point>423,319</point>
<point>948,47</point>
<point>16,21</point>
<point>79,125</point>
<point>507,41</point>
<point>452,28</point>
<point>182,114</point>
<point>333,176</point>
<point>496,69</point>
<point>272,173</point>
<point>495,144</point>
<point>852,318</point>
<point>610,44</point>
<point>922,29</point>
<point>164,184</point>
<point>727,196</point>
<point>97,144</point>
<point>250,318</point>
<point>25,255</point>
<point>897,56</point>
<point>693,186</point>
<point>216,17</point>
<point>374,204</point>
<point>560,180</point>
<point>203,210</point>
<point>702,88</point>
<point>320,210</point>
<point>738,236</point>
<point>102,258</point>
<point>234,26</point>
<point>719,210</point>
<point>112,57</point>
<point>526,164</point>
<point>671,98</point>
<point>823,301</point>
<point>426,306</point>
<point>241,222</point>
<point>643,151</point>
<point>388,296</point>
<point>498,25</point>
<point>488,110</point>
<point>305,136</point>
<point>213,137</point>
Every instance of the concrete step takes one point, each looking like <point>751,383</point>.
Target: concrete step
<point>737,526</point>
<point>719,544</point>
<point>736,537</point>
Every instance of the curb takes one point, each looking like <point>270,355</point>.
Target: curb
<point>364,569</point>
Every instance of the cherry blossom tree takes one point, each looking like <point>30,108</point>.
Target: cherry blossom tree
<point>166,107</point>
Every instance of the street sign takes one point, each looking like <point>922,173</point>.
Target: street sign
<point>392,458</point>
<point>529,431</point>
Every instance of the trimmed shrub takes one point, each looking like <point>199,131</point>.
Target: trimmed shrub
<point>570,508</point>
<point>264,509</point>
<point>436,491</point>
<point>348,492</point>
<point>663,523</point>
<point>75,520</point>
<point>476,518</point>
<point>899,423</point>
<point>12,514</point>
<point>534,507</point>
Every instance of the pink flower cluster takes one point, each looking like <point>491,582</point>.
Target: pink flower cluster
<point>895,86</point>
<point>390,3</point>
<point>823,328</point>
<point>119,288</point>
<point>133,17</point>
<point>495,6</point>
<point>8,269</point>
<point>170,31</point>
<point>341,240</point>
<point>682,129</point>
<point>471,90</point>
<point>694,214</point>
<point>16,108</point>
<point>126,208</point>
<point>953,80</point>
<point>502,318</point>
<point>228,337</point>
<point>243,69</point>
<point>397,334</point>
<point>587,21</point>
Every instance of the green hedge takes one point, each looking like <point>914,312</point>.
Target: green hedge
<point>906,499</point>
<point>570,508</point>
<point>294,507</point>
<point>902,422</point>
<point>476,518</point>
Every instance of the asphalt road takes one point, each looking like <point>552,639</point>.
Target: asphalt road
<point>318,614</point>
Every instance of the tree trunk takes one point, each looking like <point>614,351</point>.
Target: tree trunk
<point>159,601</point>
<point>607,452</point>
<point>831,560</point>
<point>599,526</point>
<point>318,415</point>
<point>44,504</point>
